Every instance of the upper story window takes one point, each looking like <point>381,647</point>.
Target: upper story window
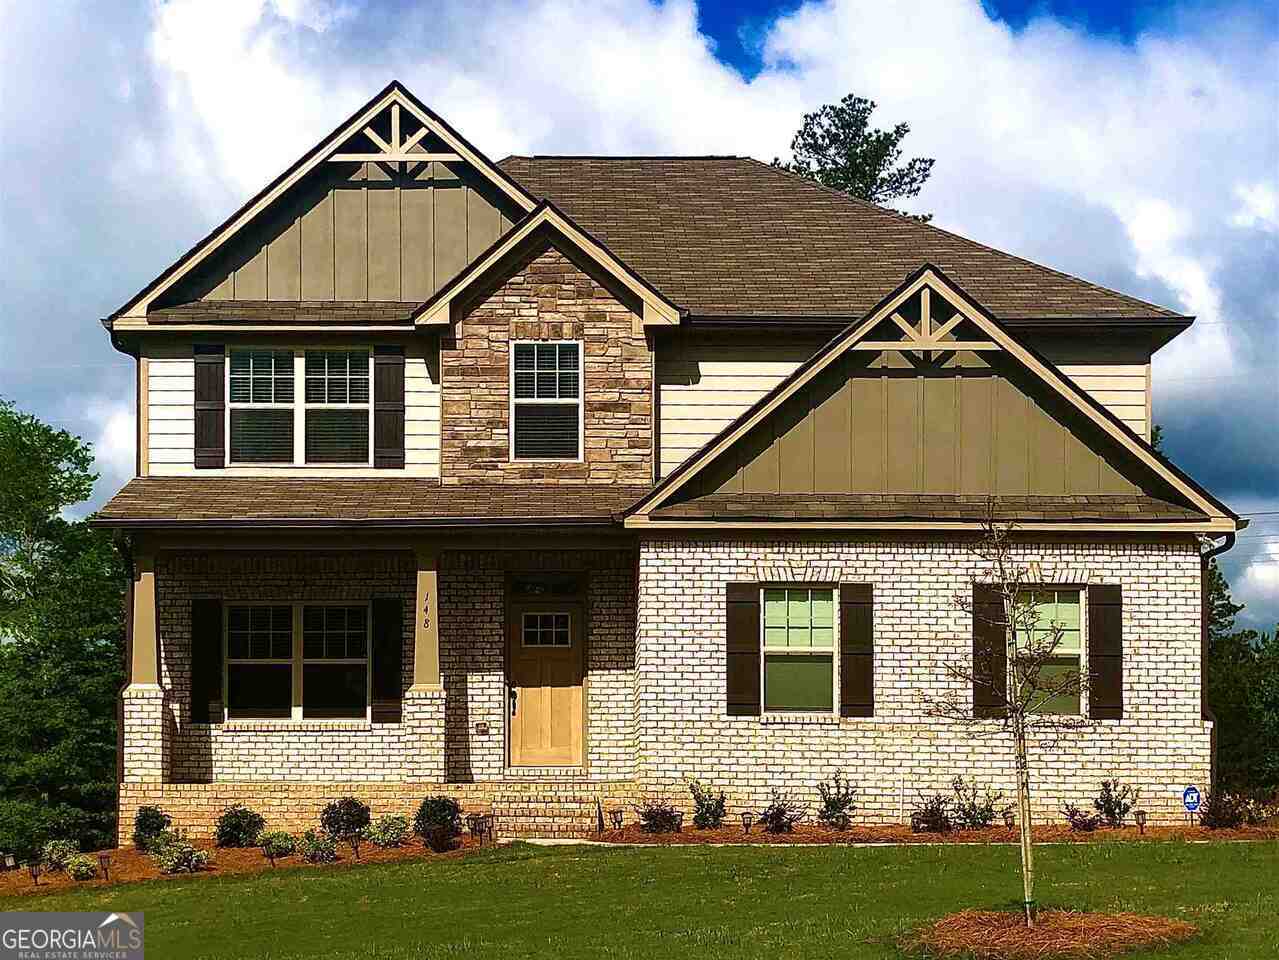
<point>261,406</point>
<point>546,400</point>
<point>328,422</point>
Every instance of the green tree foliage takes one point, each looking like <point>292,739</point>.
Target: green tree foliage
<point>61,643</point>
<point>1241,683</point>
<point>837,147</point>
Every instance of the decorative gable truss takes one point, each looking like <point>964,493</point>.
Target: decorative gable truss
<point>393,136</point>
<point>926,408</point>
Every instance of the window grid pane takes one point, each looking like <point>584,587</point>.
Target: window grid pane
<point>545,630</point>
<point>799,618</point>
<point>261,376</point>
<point>259,633</point>
<point>334,633</point>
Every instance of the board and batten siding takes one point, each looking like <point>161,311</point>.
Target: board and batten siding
<point>170,420</point>
<point>368,235</point>
<point>703,387</point>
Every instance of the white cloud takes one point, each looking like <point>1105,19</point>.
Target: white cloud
<point>115,440</point>
<point>1258,206</point>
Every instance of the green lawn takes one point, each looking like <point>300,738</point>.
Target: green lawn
<point>565,902</point>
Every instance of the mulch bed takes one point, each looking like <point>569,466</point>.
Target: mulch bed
<point>994,935</point>
<point>817,834</point>
<point>129,865</point>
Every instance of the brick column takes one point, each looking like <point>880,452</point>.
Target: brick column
<point>145,731</point>
<point>424,701</point>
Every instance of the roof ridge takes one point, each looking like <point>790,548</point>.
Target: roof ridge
<point>905,218</point>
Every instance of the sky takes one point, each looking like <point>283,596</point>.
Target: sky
<point>1134,145</point>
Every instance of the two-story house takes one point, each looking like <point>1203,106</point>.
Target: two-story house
<point>560,481</point>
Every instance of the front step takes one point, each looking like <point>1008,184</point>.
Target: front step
<point>551,814</point>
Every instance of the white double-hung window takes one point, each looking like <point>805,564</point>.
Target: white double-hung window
<point>798,659</point>
<point>546,400</point>
<point>327,421</point>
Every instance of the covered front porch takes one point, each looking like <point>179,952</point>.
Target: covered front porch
<point>475,661</point>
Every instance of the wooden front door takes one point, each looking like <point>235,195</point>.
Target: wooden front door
<point>544,684</point>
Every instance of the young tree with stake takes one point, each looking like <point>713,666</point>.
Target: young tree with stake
<point>1015,675</point>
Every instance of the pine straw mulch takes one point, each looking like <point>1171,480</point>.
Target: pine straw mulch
<point>129,865</point>
<point>992,935</point>
<point>812,833</point>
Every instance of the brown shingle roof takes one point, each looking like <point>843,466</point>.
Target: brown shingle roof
<point>831,506</point>
<point>303,501</point>
<point>282,311</point>
<point>730,236</point>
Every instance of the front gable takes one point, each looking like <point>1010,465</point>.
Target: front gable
<point>924,410</point>
<point>388,209</point>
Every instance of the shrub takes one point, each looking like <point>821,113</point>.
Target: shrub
<point>932,815</point>
<point>1115,801</point>
<point>238,827</point>
<point>837,797</point>
<point>974,810</point>
<point>659,816</point>
<point>174,853</point>
<point>1223,811</point>
<point>318,847</point>
<point>708,808</point>
<point>57,853</point>
<point>81,867</point>
<point>346,820</point>
<point>1078,820</point>
<point>438,822</point>
<point>1262,811</point>
<point>276,844</point>
<point>148,824</point>
<point>781,814</point>
<point>390,830</point>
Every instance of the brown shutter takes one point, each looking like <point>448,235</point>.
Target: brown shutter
<point>741,645</point>
<point>206,661</point>
<point>210,403</point>
<point>856,650</point>
<point>388,655</point>
<point>388,407</point>
<point>990,651</point>
<point>1105,652</point>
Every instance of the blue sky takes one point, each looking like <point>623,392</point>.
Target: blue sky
<point>1134,145</point>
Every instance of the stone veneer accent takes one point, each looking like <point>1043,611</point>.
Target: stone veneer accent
<point>902,753</point>
<point>548,298</point>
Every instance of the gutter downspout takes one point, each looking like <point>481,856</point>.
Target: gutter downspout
<point>1205,710</point>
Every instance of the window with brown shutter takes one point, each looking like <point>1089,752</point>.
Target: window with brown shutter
<point>856,650</point>
<point>1105,652</point>
<point>990,651</point>
<point>206,661</point>
<point>742,649</point>
<point>388,407</point>
<point>388,655</point>
<point>210,403</point>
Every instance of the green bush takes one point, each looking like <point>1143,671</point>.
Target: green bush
<point>239,827</point>
<point>973,810</point>
<point>56,853</point>
<point>932,815</point>
<point>149,823</point>
<point>708,808</point>
<point>81,867</point>
<point>174,853</point>
<point>1080,821</point>
<point>25,826</point>
<point>318,847</point>
<point>838,797</point>
<point>346,821</point>
<point>390,830</point>
<point>659,816</point>
<point>277,844</point>
<point>1223,811</point>
<point>781,815</point>
<point>1115,801</point>
<point>438,822</point>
